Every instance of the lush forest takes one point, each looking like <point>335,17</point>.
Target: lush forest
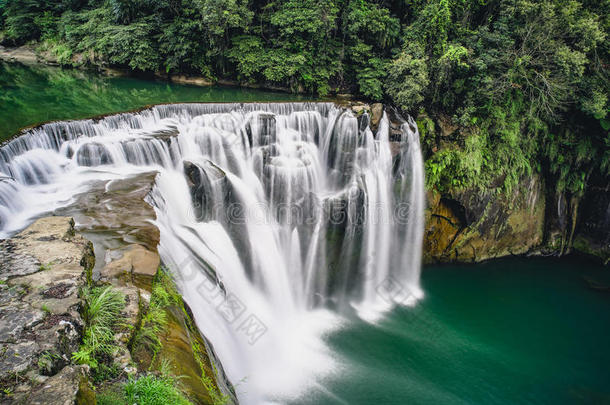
<point>500,88</point>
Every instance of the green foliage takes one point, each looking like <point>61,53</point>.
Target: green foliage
<point>46,361</point>
<point>408,77</point>
<point>148,389</point>
<point>508,73</point>
<point>102,307</point>
<point>44,267</point>
<point>153,390</point>
<point>105,372</point>
<point>154,320</point>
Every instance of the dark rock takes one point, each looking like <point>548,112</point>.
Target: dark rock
<point>16,358</point>
<point>61,389</point>
<point>14,319</point>
<point>376,114</point>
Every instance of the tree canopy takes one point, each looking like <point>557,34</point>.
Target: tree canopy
<point>524,81</point>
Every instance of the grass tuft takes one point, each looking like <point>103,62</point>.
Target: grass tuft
<point>102,307</point>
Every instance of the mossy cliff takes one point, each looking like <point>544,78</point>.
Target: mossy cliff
<point>473,214</point>
<point>469,226</point>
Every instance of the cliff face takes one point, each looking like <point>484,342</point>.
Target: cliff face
<point>469,226</point>
<point>535,218</point>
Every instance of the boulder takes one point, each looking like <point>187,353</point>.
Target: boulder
<point>136,260</point>
<point>65,388</point>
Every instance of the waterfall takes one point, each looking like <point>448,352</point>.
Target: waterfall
<point>277,220</point>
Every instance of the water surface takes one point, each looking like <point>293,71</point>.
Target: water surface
<point>515,331</point>
<point>35,94</point>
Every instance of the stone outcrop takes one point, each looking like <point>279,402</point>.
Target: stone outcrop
<point>579,223</point>
<point>42,269</point>
<point>135,260</point>
<point>469,226</point>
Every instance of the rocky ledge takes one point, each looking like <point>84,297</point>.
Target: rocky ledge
<point>43,273</point>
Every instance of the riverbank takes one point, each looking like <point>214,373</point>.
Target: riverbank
<point>34,54</point>
<point>47,291</point>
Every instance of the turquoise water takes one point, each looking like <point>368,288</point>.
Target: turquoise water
<point>34,94</point>
<point>518,331</point>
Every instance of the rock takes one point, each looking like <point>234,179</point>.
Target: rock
<point>115,213</point>
<point>376,114</point>
<point>197,81</point>
<point>446,126</point>
<point>15,263</point>
<point>40,325</point>
<point>10,294</point>
<point>61,389</point>
<point>136,259</point>
<point>24,54</point>
<point>471,226</point>
<point>359,109</point>
<point>45,246</point>
<point>592,234</point>
<point>16,358</point>
<point>36,378</point>
<point>130,314</point>
<point>14,319</point>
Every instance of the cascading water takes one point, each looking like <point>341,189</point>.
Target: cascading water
<point>276,219</point>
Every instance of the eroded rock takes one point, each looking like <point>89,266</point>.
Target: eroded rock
<point>471,226</point>
<point>61,389</point>
<point>136,259</point>
<point>40,325</point>
<point>16,358</point>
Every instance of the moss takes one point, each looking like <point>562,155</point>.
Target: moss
<point>583,245</point>
<point>167,333</point>
<point>85,394</point>
<point>88,262</point>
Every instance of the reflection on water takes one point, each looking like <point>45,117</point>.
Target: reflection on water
<point>34,94</point>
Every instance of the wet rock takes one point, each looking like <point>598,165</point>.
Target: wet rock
<point>592,234</point>
<point>471,226</point>
<point>135,260</point>
<point>115,214</point>
<point>61,389</point>
<point>208,188</point>
<point>376,114</point>
<point>93,154</point>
